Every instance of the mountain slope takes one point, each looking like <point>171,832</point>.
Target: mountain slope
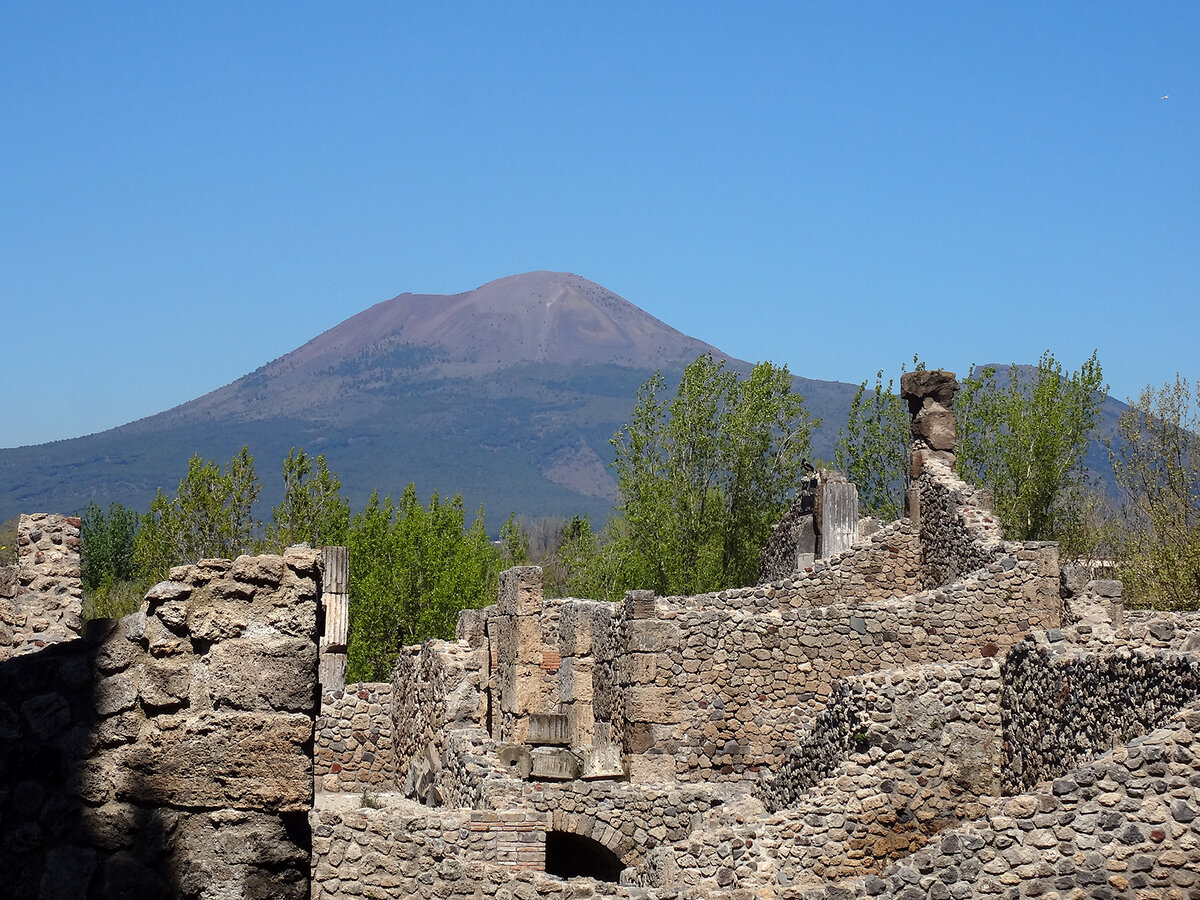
<point>508,393</point>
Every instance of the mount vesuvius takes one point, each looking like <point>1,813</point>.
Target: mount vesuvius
<point>508,394</point>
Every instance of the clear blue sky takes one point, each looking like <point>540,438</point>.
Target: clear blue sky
<point>191,190</point>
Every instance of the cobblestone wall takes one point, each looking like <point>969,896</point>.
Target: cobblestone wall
<point>352,743</point>
<point>40,597</point>
<point>1124,826</point>
<point>1065,705</point>
<point>959,534</point>
<point>747,686</point>
<point>168,754</point>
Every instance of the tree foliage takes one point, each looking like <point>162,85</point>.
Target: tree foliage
<point>8,541</point>
<point>1156,461</point>
<point>873,449</point>
<point>702,478</point>
<point>210,516</point>
<point>312,510</point>
<point>1025,441</point>
<point>412,569</point>
<point>106,545</point>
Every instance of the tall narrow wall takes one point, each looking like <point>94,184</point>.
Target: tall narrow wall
<point>40,597</point>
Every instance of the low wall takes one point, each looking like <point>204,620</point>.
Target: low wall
<point>41,599</point>
<point>167,754</point>
<point>352,740</point>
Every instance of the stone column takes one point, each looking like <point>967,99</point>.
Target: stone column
<point>651,703</point>
<point>930,397</point>
<point>515,633</point>
<point>335,601</point>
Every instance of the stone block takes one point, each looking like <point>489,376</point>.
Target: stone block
<point>641,605</point>
<point>549,728</point>
<point>934,424</point>
<point>581,718</point>
<point>166,682</point>
<point>516,760</point>
<point>575,680</point>
<point>220,759</point>
<point>275,673</point>
<point>520,592</point>
<point>651,636</point>
<point>658,705</point>
<point>641,668</point>
<point>602,762</point>
<point>579,624</point>
<point>555,764</point>
<point>650,768</point>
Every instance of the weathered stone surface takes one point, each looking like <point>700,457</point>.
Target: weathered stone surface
<point>264,673</point>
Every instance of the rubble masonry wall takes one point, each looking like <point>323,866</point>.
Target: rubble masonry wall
<point>41,599</point>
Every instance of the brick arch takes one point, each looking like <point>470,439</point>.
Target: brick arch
<point>601,832</point>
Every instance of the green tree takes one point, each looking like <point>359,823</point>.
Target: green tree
<point>106,545</point>
<point>211,515</point>
<point>412,569</point>
<point>873,449</point>
<point>1156,461</point>
<point>702,478</point>
<point>1025,441</point>
<point>8,541</point>
<point>312,510</point>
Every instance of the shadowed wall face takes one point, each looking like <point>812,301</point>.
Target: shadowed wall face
<point>168,754</point>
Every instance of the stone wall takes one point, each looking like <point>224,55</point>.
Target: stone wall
<point>1064,705</point>
<point>41,599</point>
<point>1126,825</point>
<point>352,744</point>
<point>438,692</point>
<point>168,754</point>
<point>747,686</point>
<point>959,534</point>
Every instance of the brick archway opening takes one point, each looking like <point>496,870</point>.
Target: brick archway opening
<point>570,855</point>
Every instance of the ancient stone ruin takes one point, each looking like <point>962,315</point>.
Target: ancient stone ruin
<point>932,712</point>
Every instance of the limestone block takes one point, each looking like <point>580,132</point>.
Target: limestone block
<point>575,680</point>
<point>262,570</point>
<point>166,682</point>
<point>651,635</point>
<point>520,592</point>
<point>602,762</point>
<point>650,768</point>
<point>581,719</point>
<point>524,689</point>
<point>515,760</point>
<point>218,759</point>
<point>264,673</point>
<point>549,728</point>
<point>652,704</point>
<point>579,625</point>
<point>471,627</point>
<point>555,764</point>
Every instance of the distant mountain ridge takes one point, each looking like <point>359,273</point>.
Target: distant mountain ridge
<point>508,393</point>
